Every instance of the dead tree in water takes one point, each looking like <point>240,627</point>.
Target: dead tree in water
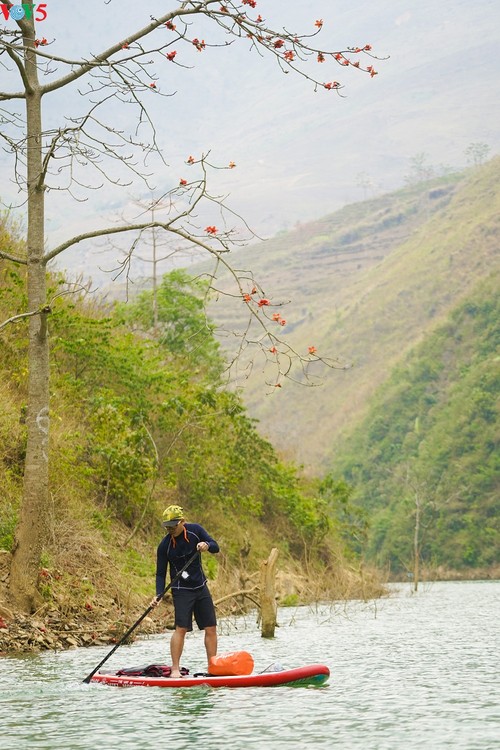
<point>268,607</point>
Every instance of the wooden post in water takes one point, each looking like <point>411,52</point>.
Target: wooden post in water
<point>268,608</point>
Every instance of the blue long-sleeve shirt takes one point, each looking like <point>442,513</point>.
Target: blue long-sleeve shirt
<point>176,551</point>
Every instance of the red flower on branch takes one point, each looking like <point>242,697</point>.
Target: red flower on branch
<point>190,160</point>
<point>152,85</point>
<point>125,45</point>
<point>321,57</point>
<point>171,55</point>
<point>332,85</point>
<point>278,44</point>
<point>251,3</point>
<point>259,19</point>
<point>276,316</point>
<point>247,298</point>
<point>312,350</point>
<point>170,25</point>
<point>211,230</point>
<point>319,23</point>
<point>199,45</point>
<point>182,181</point>
<point>282,322</point>
<point>273,350</point>
<point>232,165</point>
<point>289,55</point>
<point>263,302</point>
<point>367,47</point>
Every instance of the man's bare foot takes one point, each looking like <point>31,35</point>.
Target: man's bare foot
<point>175,673</point>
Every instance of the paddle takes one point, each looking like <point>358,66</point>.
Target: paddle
<point>141,618</point>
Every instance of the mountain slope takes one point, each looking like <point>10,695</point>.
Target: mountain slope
<point>366,284</point>
<point>430,444</point>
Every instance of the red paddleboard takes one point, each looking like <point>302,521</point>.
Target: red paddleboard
<point>313,674</point>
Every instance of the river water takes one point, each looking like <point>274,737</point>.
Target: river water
<point>407,671</point>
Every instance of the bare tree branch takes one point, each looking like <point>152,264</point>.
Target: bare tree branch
<point>129,228</point>
<point>13,258</point>
<point>13,56</point>
<point>45,310</point>
<point>22,316</point>
<point>103,57</point>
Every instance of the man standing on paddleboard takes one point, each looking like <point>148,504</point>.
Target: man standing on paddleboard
<point>189,589</point>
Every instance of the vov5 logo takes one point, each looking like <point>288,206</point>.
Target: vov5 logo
<point>24,10</point>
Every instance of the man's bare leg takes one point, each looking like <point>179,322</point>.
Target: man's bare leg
<point>211,642</point>
<point>176,648</point>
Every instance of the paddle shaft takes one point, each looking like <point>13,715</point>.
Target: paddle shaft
<point>141,618</point>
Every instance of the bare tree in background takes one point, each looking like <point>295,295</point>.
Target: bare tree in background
<point>427,497</point>
<point>86,152</point>
<point>420,169</point>
<point>477,153</point>
<point>152,247</point>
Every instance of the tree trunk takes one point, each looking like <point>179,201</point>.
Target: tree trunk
<point>32,527</point>
<point>155,280</point>
<point>268,608</point>
<point>416,545</point>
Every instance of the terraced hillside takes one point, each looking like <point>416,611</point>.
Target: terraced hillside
<point>365,284</point>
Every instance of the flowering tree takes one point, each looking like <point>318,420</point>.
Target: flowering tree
<point>84,152</point>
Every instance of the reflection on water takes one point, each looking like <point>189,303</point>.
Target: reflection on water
<point>190,702</point>
<point>409,671</point>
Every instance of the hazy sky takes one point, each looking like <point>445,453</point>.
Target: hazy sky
<point>299,154</point>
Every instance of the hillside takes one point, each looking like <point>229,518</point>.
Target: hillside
<point>366,284</point>
<point>430,444</point>
<point>139,422</point>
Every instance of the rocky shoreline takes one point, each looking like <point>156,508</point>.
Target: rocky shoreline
<point>68,621</point>
<point>55,631</point>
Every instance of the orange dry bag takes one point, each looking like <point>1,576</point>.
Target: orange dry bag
<point>236,663</point>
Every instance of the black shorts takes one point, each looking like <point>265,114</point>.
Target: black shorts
<point>197,602</point>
